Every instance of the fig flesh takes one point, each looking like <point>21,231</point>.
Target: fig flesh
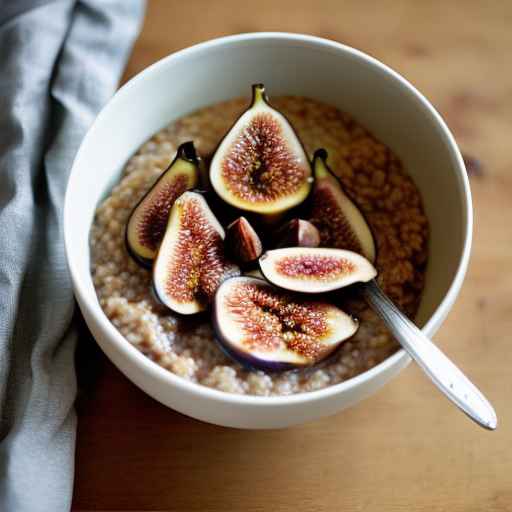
<point>146,225</point>
<point>315,270</point>
<point>260,165</point>
<point>242,243</point>
<point>191,264</point>
<point>298,233</point>
<point>265,328</point>
<point>339,221</point>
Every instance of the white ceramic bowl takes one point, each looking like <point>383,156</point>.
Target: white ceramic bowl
<point>287,64</point>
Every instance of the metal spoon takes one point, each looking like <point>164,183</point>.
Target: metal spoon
<point>443,373</point>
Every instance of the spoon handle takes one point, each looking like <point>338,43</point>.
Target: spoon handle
<point>443,373</point>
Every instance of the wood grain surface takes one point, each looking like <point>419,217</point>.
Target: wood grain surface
<point>406,448</point>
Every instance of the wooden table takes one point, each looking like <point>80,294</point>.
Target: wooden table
<point>406,448</point>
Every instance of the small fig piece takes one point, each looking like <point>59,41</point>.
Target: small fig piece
<point>339,220</point>
<point>190,264</point>
<point>265,328</point>
<point>242,243</point>
<point>298,233</point>
<point>146,225</point>
<point>260,165</point>
<point>315,270</point>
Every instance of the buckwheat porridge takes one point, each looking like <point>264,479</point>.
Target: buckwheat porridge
<point>371,174</point>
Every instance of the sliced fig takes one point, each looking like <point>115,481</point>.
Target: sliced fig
<point>260,165</point>
<point>339,220</point>
<point>315,270</point>
<point>191,264</point>
<point>297,233</point>
<point>146,225</point>
<point>263,327</point>
<point>242,243</point>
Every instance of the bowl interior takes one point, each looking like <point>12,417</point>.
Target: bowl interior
<point>226,68</point>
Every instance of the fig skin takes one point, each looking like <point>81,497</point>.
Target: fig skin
<point>306,332</point>
<point>297,233</point>
<point>315,270</point>
<point>242,243</point>
<point>146,225</point>
<point>340,222</point>
<point>255,272</point>
<point>191,263</point>
<point>261,166</point>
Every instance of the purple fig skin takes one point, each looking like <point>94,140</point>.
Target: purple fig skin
<point>242,242</point>
<point>297,233</point>
<point>141,249</point>
<point>191,262</point>
<point>340,221</point>
<point>229,333</point>
<point>143,262</point>
<point>245,359</point>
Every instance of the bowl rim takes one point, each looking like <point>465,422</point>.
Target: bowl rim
<point>166,377</point>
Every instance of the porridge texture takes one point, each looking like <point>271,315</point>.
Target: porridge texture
<point>371,174</point>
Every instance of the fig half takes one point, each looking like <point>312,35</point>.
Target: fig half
<point>315,270</point>
<point>265,328</point>
<point>260,165</point>
<point>146,225</point>
<point>339,220</point>
<point>191,264</point>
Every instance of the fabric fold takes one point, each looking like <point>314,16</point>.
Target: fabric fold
<point>61,61</point>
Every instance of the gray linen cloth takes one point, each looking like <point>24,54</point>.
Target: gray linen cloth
<point>60,61</point>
